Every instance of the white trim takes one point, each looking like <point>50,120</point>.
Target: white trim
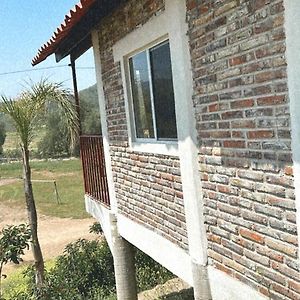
<point>103,215</point>
<point>225,287</point>
<point>186,130</point>
<point>158,28</point>
<point>168,254</point>
<point>166,148</point>
<point>101,97</point>
<point>159,248</point>
<point>151,33</point>
<point>292,29</point>
<point>154,32</point>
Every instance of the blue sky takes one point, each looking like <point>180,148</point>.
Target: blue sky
<point>24,27</point>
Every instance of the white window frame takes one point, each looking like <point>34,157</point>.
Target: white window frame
<point>152,33</point>
<point>127,58</point>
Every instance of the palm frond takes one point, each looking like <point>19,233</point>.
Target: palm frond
<point>33,104</point>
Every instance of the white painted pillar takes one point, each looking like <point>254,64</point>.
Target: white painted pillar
<point>292,30</point>
<point>97,58</point>
<point>187,146</point>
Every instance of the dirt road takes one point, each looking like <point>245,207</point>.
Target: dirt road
<point>54,233</point>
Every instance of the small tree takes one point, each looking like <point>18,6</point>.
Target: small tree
<point>26,113</point>
<point>13,241</point>
<point>56,140</point>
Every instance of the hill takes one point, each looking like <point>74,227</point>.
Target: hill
<point>89,110</point>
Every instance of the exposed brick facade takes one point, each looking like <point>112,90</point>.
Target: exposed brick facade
<point>148,187</point>
<point>149,191</point>
<point>243,123</point>
<point>242,111</point>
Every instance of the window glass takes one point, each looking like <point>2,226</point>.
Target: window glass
<point>163,93</point>
<point>141,95</point>
<point>152,93</point>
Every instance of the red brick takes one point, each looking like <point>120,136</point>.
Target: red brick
<point>191,4</point>
<point>260,134</point>
<point>283,269</point>
<point>264,291</point>
<point>214,238</point>
<point>258,238</point>
<point>243,124</point>
<point>268,76</point>
<point>223,268</point>
<point>234,144</point>
<point>281,247</point>
<point>242,103</point>
<point>293,285</point>
<point>284,291</point>
<point>213,107</point>
<point>288,170</point>
<point>237,114</point>
<point>237,60</point>
<point>271,100</point>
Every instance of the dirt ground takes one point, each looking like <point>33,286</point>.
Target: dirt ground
<point>54,233</point>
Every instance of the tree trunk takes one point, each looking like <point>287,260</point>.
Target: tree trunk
<point>32,218</point>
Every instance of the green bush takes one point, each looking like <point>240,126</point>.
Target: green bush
<point>56,140</point>
<point>149,273</point>
<point>85,271</point>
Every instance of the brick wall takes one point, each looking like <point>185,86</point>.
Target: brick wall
<point>148,187</point>
<point>243,123</point>
<point>149,191</point>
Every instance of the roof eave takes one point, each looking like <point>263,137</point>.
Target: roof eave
<point>75,38</point>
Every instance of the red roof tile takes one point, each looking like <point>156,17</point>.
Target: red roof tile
<point>74,16</point>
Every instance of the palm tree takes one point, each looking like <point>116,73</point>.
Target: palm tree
<point>26,111</point>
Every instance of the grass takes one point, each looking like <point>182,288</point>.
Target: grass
<point>16,281</point>
<point>68,177</point>
<point>12,140</point>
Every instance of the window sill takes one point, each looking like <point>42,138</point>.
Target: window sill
<point>164,148</point>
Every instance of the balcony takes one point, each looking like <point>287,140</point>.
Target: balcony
<point>94,172</point>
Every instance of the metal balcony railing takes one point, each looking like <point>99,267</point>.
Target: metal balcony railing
<point>93,164</point>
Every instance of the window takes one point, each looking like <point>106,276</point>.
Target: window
<point>152,94</point>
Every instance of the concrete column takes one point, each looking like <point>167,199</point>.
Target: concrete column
<point>123,254</point>
<point>201,282</point>
<point>187,146</point>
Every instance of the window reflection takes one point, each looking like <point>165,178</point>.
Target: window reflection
<point>141,96</point>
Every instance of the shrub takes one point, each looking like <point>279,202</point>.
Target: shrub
<point>149,273</point>
<point>14,240</point>
<point>85,272</point>
<point>82,272</point>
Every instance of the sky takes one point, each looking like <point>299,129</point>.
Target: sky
<point>25,25</point>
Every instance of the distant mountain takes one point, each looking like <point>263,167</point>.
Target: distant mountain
<point>89,110</point>
<point>90,94</point>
